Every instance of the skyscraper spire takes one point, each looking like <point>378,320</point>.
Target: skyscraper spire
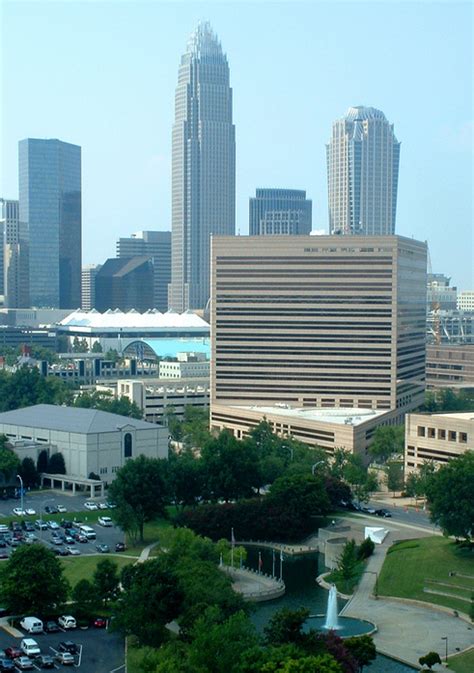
<point>203,166</point>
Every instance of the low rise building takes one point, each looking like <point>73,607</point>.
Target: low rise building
<point>90,441</point>
<point>450,366</point>
<point>466,300</point>
<point>186,365</point>
<point>437,438</point>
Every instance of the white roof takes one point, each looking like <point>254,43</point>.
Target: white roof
<point>152,319</point>
<point>339,415</point>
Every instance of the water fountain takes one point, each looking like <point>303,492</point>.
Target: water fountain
<point>332,615</point>
<point>332,621</point>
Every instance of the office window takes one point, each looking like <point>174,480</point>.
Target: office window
<point>127,445</point>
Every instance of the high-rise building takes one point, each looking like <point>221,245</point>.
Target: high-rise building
<point>157,246</point>
<point>15,270</point>
<point>50,212</point>
<point>440,295</point>
<point>362,163</point>
<point>125,284</point>
<point>279,211</point>
<point>465,300</point>
<point>318,322</point>
<point>203,167</point>
<point>89,274</point>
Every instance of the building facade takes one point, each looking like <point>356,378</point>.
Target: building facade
<point>157,246</point>
<point>465,301</point>
<point>450,366</point>
<point>437,437</point>
<point>362,164</point>
<point>203,167</point>
<point>50,214</point>
<point>318,322</point>
<point>125,284</point>
<point>14,270</point>
<point>440,294</point>
<point>280,212</point>
<point>89,274</point>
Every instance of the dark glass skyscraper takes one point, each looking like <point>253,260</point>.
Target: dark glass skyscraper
<point>279,212</point>
<point>50,216</point>
<point>203,167</point>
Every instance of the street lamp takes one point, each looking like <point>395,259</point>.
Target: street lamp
<point>21,493</point>
<point>290,449</point>
<point>446,639</point>
<point>320,462</point>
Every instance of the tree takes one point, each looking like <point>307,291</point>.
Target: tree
<point>430,660</point>
<point>366,549</point>
<point>175,426</point>
<point>450,494</point>
<point>388,440</point>
<point>85,599</point>
<point>394,476</point>
<point>363,483</point>
<point>286,626</point>
<point>347,561</point>
<point>195,426</point>
<point>300,494</point>
<point>96,347</point>
<point>32,581</point>
<point>9,463</point>
<point>29,473</point>
<point>42,462</point>
<point>139,493</point>
<point>106,580</point>
<point>323,663</point>
<point>56,464</point>
<point>104,401</point>
<point>185,477</point>
<point>362,649</point>
<point>150,599</point>
<point>27,387</point>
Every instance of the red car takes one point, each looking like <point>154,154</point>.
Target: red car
<point>13,652</point>
<point>100,623</point>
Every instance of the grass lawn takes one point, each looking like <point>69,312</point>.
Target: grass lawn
<point>151,533</point>
<point>414,565</point>
<point>80,568</point>
<point>346,586</point>
<point>462,663</point>
<point>135,656</point>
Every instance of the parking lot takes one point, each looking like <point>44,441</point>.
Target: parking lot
<point>100,651</point>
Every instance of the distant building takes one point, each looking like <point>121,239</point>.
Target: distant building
<point>450,365</point>
<point>279,212</point>
<point>203,167</point>
<point>125,284</point>
<point>14,276</point>
<point>437,438</point>
<point>50,215</point>
<point>362,163</point>
<point>13,337</point>
<point>450,327</point>
<point>32,317</point>
<point>465,300</point>
<point>90,440</point>
<point>89,274</point>
<point>186,365</point>
<point>440,294</point>
<point>157,246</point>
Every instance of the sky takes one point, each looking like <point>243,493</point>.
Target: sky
<point>103,74</point>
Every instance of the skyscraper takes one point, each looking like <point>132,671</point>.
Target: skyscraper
<point>15,281</point>
<point>125,284</point>
<point>157,246</point>
<point>203,167</point>
<point>89,274</point>
<point>362,162</point>
<point>50,213</point>
<point>279,211</point>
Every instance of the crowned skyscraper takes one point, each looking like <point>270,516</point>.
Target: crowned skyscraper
<point>203,167</point>
<point>362,160</point>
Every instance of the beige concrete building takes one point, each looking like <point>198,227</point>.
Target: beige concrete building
<point>450,366</point>
<point>317,323</point>
<point>437,437</point>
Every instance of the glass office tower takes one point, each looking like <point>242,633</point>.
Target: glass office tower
<point>50,216</point>
<point>203,167</point>
<point>279,212</point>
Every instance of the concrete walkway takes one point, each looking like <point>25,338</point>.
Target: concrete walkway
<point>254,586</point>
<point>405,631</point>
<point>145,553</point>
<point>288,549</point>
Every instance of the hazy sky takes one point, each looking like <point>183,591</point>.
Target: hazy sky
<point>103,74</point>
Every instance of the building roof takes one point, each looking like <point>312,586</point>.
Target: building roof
<point>116,319</point>
<point>71,419</point>
<point>460,415</point>
<point>339,415</point>
<point>118,267</point>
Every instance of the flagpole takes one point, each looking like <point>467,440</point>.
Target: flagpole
<point>273,563</point>
<point>260,562</point>
<point>232,542</point>
<point>281,565</point>
<point>240,557</point>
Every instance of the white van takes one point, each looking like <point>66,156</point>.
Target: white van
<point>88,532</point>
<point>32,625</point>
<point>30,647</point>
<point>67,622</point>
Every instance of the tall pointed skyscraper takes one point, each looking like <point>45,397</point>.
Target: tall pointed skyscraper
<point>203,167</point>
<point>362,160</point>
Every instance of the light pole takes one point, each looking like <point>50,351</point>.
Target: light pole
<point>446,639</point>
<point>320,462</point>
<point>21,494</point>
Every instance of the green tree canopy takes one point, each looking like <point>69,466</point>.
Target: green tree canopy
<point>32,581</point>
<point>104,401</point>
<point>9,463</point>
<point>139,492</point>
<point>106,580</point>
<point>388,440</point>
<point>85,598</point>
<point>362,649</point>
<point>56,464</point>
<point>300,494</point>
<point>286,626</point>
<point>450,494</point>
<point>29,473</point>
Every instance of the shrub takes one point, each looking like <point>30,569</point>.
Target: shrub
<point>365,549</point>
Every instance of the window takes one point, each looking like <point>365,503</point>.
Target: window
<point>431,432</point>
<point>452,435</point>
<point>463,437</point>
<point>127,445</point>
<point>441,434</point>
<point>421,431</point>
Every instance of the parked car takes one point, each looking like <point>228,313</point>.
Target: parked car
<point>65,658</point>
<point>60,551</point>
<point>111,505</point>
<point>68,646</point>
<point>120,546</point>
<point>383,512</point>
<point>61,509</point>
<point>31,625</point>
<point>13,652</point>
<point>105,521</point>
<point>6,665</point>
<point>17,511</point>
<point>68,539</point>
<point>91,506</point>
<point>28,526</point>
<point>103,548</point>
<point>30,511</point>
<point>40,524</point>
<point>53,525</point>
<point>56,540</point>
<point>72,551</point>
<point>44,661</point>
<point>30,647</point>
<point>24,664</point>
<point>99,623</point>
<point>67,622</point>
<point>30,538</point>
<point>4,555</point>
<point>103,505</point>
<point>66,523</point>
<point>51,627</point>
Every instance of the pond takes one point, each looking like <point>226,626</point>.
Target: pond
<point>299,574</point>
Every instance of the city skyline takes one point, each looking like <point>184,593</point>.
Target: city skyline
<point>123,123</point>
